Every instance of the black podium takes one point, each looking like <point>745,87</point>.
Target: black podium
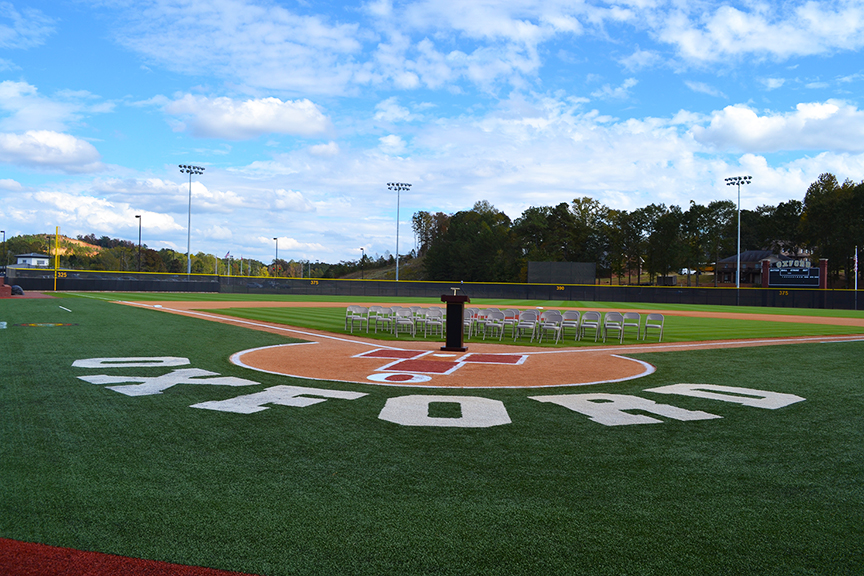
<point>455,322</point>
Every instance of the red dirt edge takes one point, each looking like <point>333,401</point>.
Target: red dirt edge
<point>25,559</point>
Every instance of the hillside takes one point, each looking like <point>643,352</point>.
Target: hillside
<point>409,270</point>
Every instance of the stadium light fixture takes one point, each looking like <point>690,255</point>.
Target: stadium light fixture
<point>187,169</point>
<point>738,181</point>
<point>138,216</point>
<point>398,187</point>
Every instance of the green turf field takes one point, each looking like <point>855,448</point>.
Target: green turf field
<point>482,302</point>
<point>333,489</point>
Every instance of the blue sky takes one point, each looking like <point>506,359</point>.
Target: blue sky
<point>301,112</point>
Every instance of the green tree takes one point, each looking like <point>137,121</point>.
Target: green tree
<point>476,247</point>
<point>720,232</point>
<point>428,228</point>
<point>590,239</point>
<point>545,233</point>
<point>832,222</point>
<point>665,250</point>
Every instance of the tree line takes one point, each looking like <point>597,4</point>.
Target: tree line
<point>483,244</point>
<point>115,254</point>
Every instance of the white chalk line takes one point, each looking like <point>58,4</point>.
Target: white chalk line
<point>258,325</point>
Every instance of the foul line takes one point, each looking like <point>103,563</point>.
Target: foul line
<point>636,349</point>
<point>256,324</point>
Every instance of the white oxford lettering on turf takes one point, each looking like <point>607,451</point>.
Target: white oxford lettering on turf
<point>414,411</point>
<point>476,412</point>
<point>155,385</point>
<point>279,395</point>
<point>131,362</point>
<point>745,396</point>
<point>609,409</point>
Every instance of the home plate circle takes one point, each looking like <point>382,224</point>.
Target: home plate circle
<point>421,364</point>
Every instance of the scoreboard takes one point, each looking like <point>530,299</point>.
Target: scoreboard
<point>794,277</point>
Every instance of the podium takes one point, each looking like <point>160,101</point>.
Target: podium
<point>455,332</point>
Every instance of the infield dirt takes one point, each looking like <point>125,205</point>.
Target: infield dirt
<point>353,358</point>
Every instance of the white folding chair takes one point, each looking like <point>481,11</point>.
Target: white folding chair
<point>477,320</point>
<point>359,315</point>
<point>550,321</point>
<point>384,318</point>
<point>654,321</point>
<point>527,323</point>
<point>434,321</point>
<point>613,322</point>
<point>349,312</point>
<point>404,318</point>
<point>570,319</point>
<point>374,313</point>
<point>419,315</point>
<point>494,323</point>
<point>632,320</point>
<point>468,322</point>
<point>511,317</point>
<point>590,321</point>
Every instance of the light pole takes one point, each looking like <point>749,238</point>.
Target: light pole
<point>138,216</point>
<point>189,170</point>
<point>738,181</point>
<point>276,261</point>
<point>5,259</point>
<point>362,258</point>
<point>398,186</point>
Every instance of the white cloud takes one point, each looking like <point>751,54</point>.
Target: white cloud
<point>392,144</point>
<point>704,88</point>
<point>24,29</point>
<point>210,200</point>
<point>390,111</point>
<point>90,213</point>
<point>778,31</point>
<point>773,83</point>
<point>261,44</point>
<point>640,60</point>
<point>851,78</point>
<point>616,92</point>
<point>292,201</point>
<point>48,150</point>
<point>287,244</point>
<point>830,125</point>
<point>243,120</point>
<point>329,149</point>
<point>26,109</point>
<point>9,184</point>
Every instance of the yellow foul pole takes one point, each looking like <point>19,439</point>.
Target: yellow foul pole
<point>56,254</point>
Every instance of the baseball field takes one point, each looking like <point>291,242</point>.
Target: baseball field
<point>190,434</point>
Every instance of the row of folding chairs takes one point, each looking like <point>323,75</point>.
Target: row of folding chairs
<point>615,323</point>
<point>494,322</point>
<point>489,322</point>
<point>552,323</point>
<point>396,319</point>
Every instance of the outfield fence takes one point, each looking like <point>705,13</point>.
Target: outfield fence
<point>103,281</point>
